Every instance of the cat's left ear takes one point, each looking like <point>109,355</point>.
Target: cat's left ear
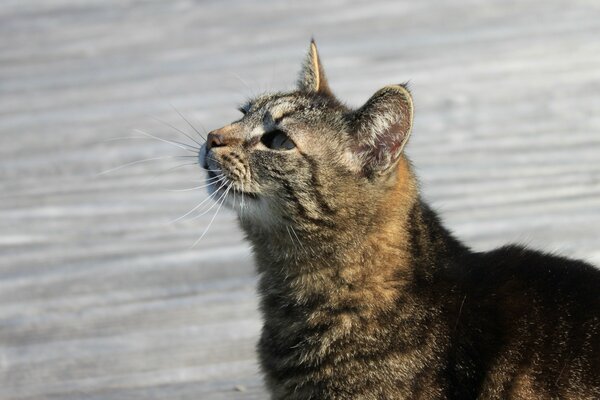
<point>312,76</point>
<point>381,129</point>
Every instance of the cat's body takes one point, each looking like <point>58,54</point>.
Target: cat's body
<point>365,294</point>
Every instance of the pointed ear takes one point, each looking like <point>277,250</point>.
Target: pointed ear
<point>381,128</point>
<point>312,76</point>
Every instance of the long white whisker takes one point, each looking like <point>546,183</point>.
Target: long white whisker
<point>177,167</point>
<point>218,177</point>
<point>188,122</point>
<point>212,196</point>
<point>168,170</point>
<point>201,203</point>
<point>239,78</point>
<point>241,205</point>
<point>297,238</point>
<point>214,177</point>
<point>150,138</point>
<point>212,206</point>
<point>216,171</point>
<point>135,162</point>
<point>177,129</point>
<point>197,187</point>
<point>181,145</point>
<point>122,138</point>
<point>234,196</point>
<point>139,138</point>
<point>242,202</point>
<point>213,218</point>
<point>287,228</point>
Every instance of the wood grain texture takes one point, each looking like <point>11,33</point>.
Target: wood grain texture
<point>101,297</point>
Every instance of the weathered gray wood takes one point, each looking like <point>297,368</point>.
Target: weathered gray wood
<point>102,298</point>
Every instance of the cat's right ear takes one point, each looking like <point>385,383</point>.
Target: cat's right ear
<point>381,129</point>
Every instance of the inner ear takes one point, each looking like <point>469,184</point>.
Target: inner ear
<point>312,75</point>
<point>381,129</point>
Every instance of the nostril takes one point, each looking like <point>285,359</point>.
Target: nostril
<point>214,140</point>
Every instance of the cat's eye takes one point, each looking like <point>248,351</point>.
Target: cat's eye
<point>277,140</point>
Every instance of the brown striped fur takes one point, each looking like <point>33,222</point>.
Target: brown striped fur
<point>364,293</point>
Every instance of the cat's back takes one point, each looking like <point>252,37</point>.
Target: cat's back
<point>541,315</point>
<point>552,279</point>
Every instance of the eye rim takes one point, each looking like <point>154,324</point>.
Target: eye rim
<point>268,140</point>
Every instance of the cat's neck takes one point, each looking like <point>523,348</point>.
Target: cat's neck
<point>369,264</point>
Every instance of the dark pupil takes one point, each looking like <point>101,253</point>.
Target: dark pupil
<point>277,140</point>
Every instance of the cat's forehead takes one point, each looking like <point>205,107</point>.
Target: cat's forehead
<point>279,105</point>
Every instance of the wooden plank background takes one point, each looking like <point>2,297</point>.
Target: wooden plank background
<point>101,297</point>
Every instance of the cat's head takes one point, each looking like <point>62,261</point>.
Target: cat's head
<point>303,158</point>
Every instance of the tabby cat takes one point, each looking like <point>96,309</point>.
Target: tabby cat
<point>364,293</point>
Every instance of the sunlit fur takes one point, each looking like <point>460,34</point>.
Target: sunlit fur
<point>365,295</point>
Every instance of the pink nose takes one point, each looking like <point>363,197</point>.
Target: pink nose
<point>215,140</point>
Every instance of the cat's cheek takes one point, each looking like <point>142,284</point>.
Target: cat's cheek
<point>265,214</point>
<point>258,212</point>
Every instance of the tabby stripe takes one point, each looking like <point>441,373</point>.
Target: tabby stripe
<point>323,205</point>
<point>301,208</point>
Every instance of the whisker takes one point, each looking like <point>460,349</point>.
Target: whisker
<point>214,216</point>
<point>212,206</point>
<point>218,174</point>
<point>149,137</point>
<point>133,163</point>
<point>241,209</point>
<point>188,122</point>
<point>197,187</point>
<point>168,170</point>
<point>234,196</point>
<point>242,203</point>
<point>200,205</point>
<point>287,228</point>
<point>181,115</point>
<point>215,171</point>
<point>175,143</point>
<point>122,138</point>
<point>243,82</point>
<point>177,129</point>
<point>297,238</point>
<point>214,177</point>
<point>177,167</point>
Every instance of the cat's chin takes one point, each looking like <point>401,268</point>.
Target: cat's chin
<point>226,194</point>
<point>240,201</point>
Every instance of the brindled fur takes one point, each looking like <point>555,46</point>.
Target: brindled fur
<point>364,293</point>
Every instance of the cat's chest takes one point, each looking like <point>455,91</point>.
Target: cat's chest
<point>337,329</point>
<point>344,350</point>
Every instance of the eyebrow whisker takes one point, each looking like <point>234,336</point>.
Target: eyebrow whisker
<point>177,129</point>
<point>188,122</point>
<point>181,145</point>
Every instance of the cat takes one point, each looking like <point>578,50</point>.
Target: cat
<point>364,293</point>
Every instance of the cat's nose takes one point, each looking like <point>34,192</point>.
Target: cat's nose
<point>215,140</point>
